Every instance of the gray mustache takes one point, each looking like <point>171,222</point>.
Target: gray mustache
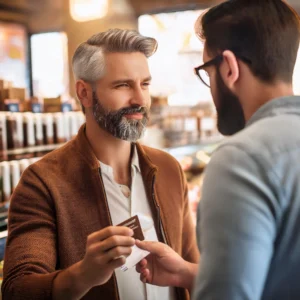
<point>133,110</point>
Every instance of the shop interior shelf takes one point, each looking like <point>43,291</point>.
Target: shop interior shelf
<point>33,149</point>
<point>207,145</point>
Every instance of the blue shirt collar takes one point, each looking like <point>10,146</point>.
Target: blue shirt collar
<point>278,106</point>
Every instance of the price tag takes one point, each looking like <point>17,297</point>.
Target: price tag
<point>66,107</point>
<point>13,107</point>
<point>36,107</point>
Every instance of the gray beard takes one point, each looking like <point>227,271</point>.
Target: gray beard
<point>117,124</point>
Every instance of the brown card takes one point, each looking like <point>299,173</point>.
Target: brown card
<point>134,224</point>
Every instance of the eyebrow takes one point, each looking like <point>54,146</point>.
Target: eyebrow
<point>126,80</point>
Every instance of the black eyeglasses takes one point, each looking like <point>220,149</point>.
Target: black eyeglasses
<point>201,70</point>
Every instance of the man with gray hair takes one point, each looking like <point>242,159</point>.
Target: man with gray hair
<point>64,240</point>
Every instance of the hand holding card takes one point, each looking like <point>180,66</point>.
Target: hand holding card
<point>134,224</point>
<point>137,254</point>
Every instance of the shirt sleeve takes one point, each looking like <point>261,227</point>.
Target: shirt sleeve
<point>236,227</point>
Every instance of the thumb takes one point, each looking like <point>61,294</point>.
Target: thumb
<point>150,246</point>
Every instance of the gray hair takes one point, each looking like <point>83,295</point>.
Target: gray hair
<point>88,61</point>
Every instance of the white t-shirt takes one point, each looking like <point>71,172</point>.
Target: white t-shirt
<point>122,208</point>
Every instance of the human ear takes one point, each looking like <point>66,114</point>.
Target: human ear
<point>84,93</point>
<point>229,69</point>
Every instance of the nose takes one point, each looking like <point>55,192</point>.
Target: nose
<point>139,97</point>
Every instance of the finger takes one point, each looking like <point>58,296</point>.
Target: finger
<point>116,253</point>
<point>145,276</point>
<point>153,247</point>
<point>141,265</point>
<point>143,262</point>
<point>117,263</point>
<point>110,243</point>
<point>108,232</point>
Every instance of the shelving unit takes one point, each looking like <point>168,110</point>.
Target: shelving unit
<point>42,148</point>
<point>208,145</point>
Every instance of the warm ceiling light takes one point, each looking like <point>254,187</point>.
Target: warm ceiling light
<point>87,10</point>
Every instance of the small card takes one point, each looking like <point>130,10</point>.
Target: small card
<point>134,224</point>
<point>137,254</point>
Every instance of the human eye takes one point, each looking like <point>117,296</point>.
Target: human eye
<point>146,84</point>
<point>122,85</point>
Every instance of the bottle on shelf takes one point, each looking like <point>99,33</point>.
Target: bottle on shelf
<point>3,137</point>
<point>6,182</point>
<point>38,126</point>
<point>59,132</point>
<point>48,129</point>
<point>15,174</point>
<point>29,136</point>
<point>24,163</point>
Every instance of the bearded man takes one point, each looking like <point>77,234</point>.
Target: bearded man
<point>63,241</point>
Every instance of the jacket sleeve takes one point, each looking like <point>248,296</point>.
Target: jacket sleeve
<point>31,255</point>
<point>190,250</point>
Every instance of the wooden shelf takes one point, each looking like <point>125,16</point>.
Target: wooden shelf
<point>33,149</point>
<point>16,154</point>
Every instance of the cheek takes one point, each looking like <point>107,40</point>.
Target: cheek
<point>114,99</point>
<point>147,99</point>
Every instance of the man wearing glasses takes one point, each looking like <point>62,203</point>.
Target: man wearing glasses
<point>249,215</point>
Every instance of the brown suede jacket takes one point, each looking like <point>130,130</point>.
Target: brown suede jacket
<point>60,200</point>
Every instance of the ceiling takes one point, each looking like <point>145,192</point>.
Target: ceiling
<point>140,6</point>
<point>24,8</point>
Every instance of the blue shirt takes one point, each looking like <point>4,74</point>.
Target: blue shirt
<point>248,223</point>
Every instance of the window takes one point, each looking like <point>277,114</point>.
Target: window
<point>50,71</point>
<point>13,54</point>
<point>179,51</point>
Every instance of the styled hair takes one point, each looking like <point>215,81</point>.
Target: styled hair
<point>265,32</point>
<point>89,58</point>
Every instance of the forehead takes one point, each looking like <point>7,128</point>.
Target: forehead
<point>126,64</point>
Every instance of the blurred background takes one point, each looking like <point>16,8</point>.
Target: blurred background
<point>38,109</point>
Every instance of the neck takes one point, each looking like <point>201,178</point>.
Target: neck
<point>110,150</point>
<point>258,94</point>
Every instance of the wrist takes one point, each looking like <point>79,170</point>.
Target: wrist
<point>69,284</point>
<point>188,275</point>
<point>79,278</point>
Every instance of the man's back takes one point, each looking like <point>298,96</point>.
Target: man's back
<point>249,238</point>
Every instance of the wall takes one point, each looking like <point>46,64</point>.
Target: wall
<point>120,15</point>
<point>48,17</point>
<point>54,15</point>
<point>154,6</point>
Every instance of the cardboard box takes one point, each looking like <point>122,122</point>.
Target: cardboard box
<point>4,84</point>
<point>52,101</point>
<point>17,93</point>
<point>52,104</point>
<point>52,108</point>
<point>13,93</point>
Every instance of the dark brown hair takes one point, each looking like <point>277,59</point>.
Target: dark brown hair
<point>266,32</point>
